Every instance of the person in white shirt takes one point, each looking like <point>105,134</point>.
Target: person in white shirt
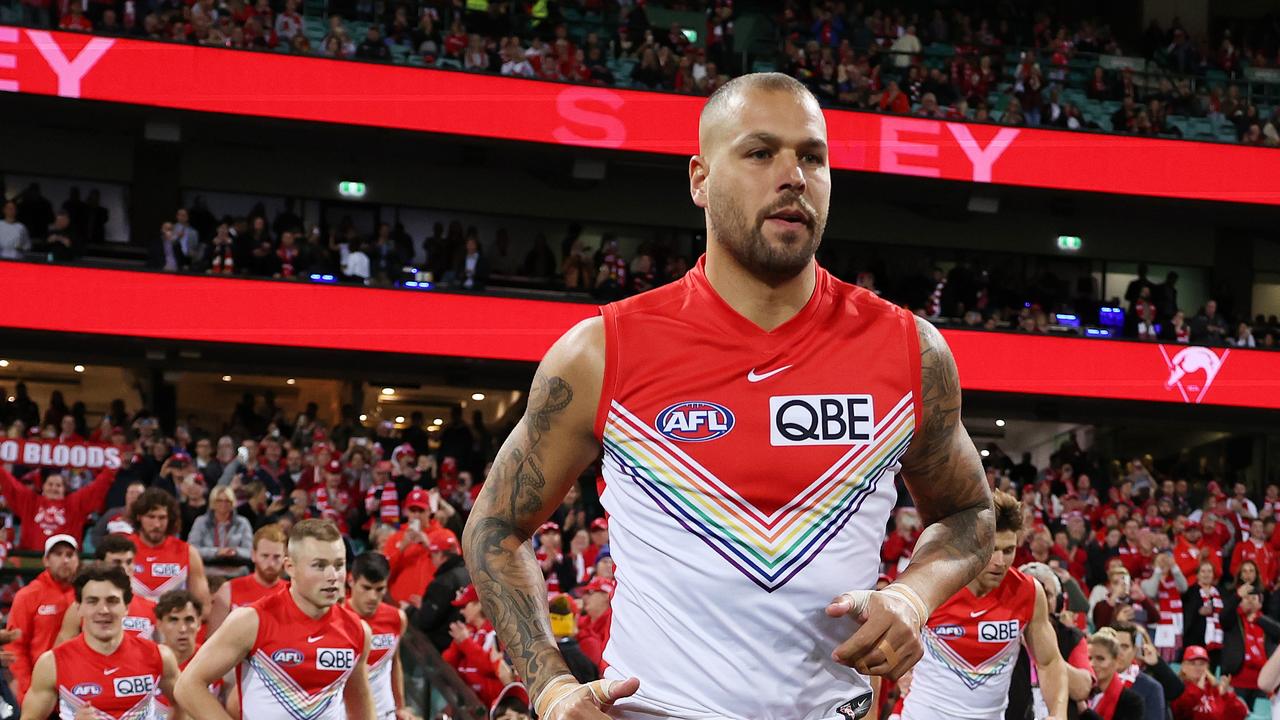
<point>906,43</point>
<point>356,265</point>
<point>14,238</point>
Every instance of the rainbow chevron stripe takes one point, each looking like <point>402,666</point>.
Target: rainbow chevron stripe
<point>70,705</point>
<point>290,695</point>
<point>768,549</point>
<point>973,676</point>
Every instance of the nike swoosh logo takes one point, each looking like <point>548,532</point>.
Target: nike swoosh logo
<point>110,672</point>
<point>979,613</point>
<point>152,557</point>
<point>314,639</point>
<point>755,378</point>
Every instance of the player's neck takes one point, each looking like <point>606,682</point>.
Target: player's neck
<point>766,304</point>
<point>183,657</point>
<point>308,608</point>
<point>978,589</point>
<point>105,647</point>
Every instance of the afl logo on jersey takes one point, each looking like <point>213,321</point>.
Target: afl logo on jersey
<point>287,657</point>
<point>695,421</point>
<point>949,631</point>
<point>86,690</point>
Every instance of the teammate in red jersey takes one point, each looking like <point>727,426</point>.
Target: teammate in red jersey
<point>971,641</point>
<point>164,562</point>
<point>269,544</point>
<point>300,653</point>
<point>119,551</point>
<point>753,416</point>
<point>367,585</point>
<point>178,615</point>
<point>104,672</point>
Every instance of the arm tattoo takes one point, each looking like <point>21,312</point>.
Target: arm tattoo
<point>945,477</point>
<point>502,563</point>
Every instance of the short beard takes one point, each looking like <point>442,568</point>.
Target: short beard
<point>772,264</point>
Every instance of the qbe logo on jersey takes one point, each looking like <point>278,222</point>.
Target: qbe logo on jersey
<point>335,658</point>
<point>821,420</point>
<point>997,631</point>
<point>135,685</point>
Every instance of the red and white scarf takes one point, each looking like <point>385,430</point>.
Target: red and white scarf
<point>385,500</point>
<point>1213,622</point>
<point>1104,703</point>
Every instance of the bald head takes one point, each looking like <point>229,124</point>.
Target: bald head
<point>728,100</point>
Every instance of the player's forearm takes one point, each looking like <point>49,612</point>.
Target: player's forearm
<point>950,553</point>
<point>1053,685</point>
<point>194,697</point>
<point>514,594</point>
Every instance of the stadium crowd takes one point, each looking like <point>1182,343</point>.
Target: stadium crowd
<point>853,55</point>
<point>977,292</point>
<point>1175,555</point>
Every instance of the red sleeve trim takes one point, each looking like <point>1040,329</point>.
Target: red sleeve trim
<point>608,382</point>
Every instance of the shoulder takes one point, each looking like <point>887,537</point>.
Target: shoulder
<point>658,300</point>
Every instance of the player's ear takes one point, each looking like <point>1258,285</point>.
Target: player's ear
<point>698,170</point>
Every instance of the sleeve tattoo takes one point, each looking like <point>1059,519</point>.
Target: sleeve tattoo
<point>502,563</point>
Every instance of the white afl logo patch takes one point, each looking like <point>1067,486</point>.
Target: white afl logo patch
<point>821,420</point>
<point>695,421</point>
<point>134,685</point>
<point>335,658</point>
<point>997,631</point>
<point>86,690</point>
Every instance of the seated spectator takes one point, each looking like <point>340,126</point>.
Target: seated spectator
<point>221,533</point>
<point>74,19</point>
<point>116,519</point>
<point>1209,327</point>
<point>373,47</point>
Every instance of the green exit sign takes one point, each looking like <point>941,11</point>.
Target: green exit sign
<point>351,188</point>
<point>1070,243</point>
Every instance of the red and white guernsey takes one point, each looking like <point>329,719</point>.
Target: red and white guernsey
<point>386,627</point>
<point>754,471</point>
<point>157,570</point>
<point>162,704</point>
<point>971,645</point>
<point>247,590</point>
<point>122,685</point>
<point>298,666</point>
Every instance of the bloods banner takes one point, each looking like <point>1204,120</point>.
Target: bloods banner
<point>474,326</point>
<point>51,453</point>
<point>188,77</point>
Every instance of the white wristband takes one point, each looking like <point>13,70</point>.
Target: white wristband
<point>909,594</point>
<point>555,683</point>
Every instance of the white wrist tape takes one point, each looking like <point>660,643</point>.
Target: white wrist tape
<point>552,693</point>
<point>909,594</point>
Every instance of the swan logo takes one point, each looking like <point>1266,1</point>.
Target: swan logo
<point>1192,371</point>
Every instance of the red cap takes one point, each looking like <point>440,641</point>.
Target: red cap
<point>442,540</point>
<point>599,584</point>
<point>117,430</point>
<point>321,447</point>
<point>1195,652</point>
<point>382,466</point>
<point>403,449</point>
<point>548,526</point>
<point>599,524</point>
<point>333,466</point>
<point>466,595</point>
<point>180,456</point>
<point>418,498</point>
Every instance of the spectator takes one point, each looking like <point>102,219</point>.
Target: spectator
<point>408,550</point>
<point>1249,637</point>
<point>53,511</point>
<point>1124,602</point>
<point>1145,686</point>
<point>61,244</point>
<point>473,650</point>
<point>906,48</point>
<point>1243,337</point>
<point>37,610</point>
<point>472,269</point>
<point>1203,697</point>
<point>1113,700</point>
<point>373,47</point>
<point>74,19</point>
<point>1202,613</point>
<point>597,616</point>
<point>116,519</point>
<point>435,616</point>
<point>221,533</point>
<point>14,238</point>
<point>564,626</point>
<point>1208,327</point>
